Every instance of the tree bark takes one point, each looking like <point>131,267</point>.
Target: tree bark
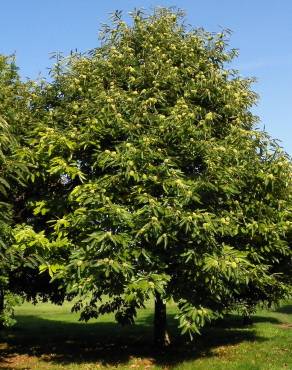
<point>161,337</point>
<point>247,320</point>
<point>1,305</point>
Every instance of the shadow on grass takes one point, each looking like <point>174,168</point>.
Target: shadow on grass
<point>107,343</point>
<point>285,309</point>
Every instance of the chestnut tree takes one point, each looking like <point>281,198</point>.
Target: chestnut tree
<point>170,190</point>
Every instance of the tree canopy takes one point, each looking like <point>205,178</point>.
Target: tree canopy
<point>159,182</point>
<point>19,271</point>
<point>11,173</point>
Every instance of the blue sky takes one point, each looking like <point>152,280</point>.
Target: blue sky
<point>262,31</point>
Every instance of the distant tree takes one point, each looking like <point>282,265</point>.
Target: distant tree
<point>19,271</point>
<point>11,173</point>
<point>167,188</point>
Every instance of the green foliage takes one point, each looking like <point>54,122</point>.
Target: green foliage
<point>15,264</point>
<point>152,177</point>
<point>7,318</point>
<point>11,175</point>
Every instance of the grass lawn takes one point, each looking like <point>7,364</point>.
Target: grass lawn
<point>50,337</point>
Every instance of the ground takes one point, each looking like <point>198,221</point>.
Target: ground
<point>49,337</point>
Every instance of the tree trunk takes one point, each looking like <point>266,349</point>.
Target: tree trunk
<point>246,319</point>
<point>161,337</point>
<point>1,305</point>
